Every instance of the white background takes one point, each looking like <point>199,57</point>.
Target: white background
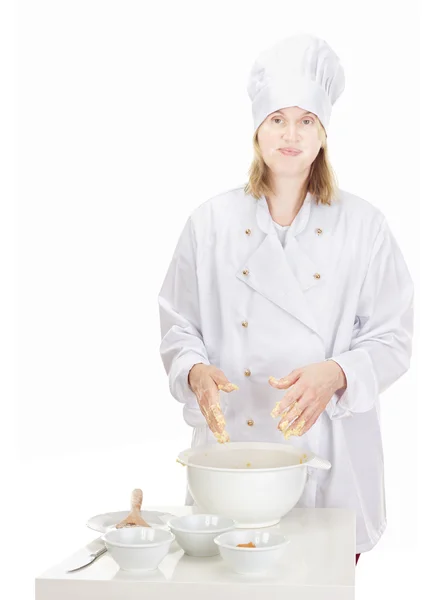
<point>128,115</point>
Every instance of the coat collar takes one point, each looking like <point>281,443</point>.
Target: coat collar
<point>265,221</point>
<point>282,275</point>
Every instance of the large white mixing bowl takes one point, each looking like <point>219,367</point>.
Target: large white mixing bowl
<point>254,483</point>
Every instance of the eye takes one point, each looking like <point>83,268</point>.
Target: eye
<point>276,119</point>
<point>308,119</point>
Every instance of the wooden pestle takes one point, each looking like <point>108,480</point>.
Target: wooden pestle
<point>134,518</point>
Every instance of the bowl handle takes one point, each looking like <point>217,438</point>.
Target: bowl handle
<point>319,463</point>
<point>178,460</point>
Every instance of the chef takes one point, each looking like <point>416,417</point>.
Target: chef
<point>288,307</point>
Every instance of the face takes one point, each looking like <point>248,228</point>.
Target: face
<point>294,128</point>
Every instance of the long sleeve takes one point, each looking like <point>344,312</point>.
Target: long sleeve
<point>381,345</point>
<point>182,344</point>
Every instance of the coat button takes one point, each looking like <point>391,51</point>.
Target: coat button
<point>317,275</point>
<point>250,422</point>
<point>247,373</point>
<point>319,231</point>
<point>244,323</point>
<point>245,272</point>
<point>248,231</point>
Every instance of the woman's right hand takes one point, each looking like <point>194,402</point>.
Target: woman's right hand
<point>206,381</point>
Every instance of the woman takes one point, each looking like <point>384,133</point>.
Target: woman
<point>290,276</point>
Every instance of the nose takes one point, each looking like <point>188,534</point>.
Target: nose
<point>291,133</point>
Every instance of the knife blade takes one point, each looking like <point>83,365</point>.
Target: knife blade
<point>91,558</point>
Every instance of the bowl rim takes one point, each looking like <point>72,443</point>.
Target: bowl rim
<point>152,544</point>
<point>281,544</point>
<point>217,530</point>
<point>185,456</point>
<point>246,470</point>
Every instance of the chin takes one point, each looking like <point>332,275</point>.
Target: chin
<point>278,170</point>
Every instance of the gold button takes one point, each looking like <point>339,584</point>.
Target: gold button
<point>250,422</point>
<point>248,231</point>
<point>319,231</point>
<point>245,272</point>
<point>247,373</point>
<point>317,275</point>
<point>244,323</point>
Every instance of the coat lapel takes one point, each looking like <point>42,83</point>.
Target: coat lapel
<point>282,275</point>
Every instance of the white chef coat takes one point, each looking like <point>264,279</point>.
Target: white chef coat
<point>339,289</point>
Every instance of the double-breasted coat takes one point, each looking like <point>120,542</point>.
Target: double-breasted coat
<point>340,289</point>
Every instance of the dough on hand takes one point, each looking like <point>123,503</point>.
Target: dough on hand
<point>222,438</point>
<point>296,431</point>
<point>275,411</point>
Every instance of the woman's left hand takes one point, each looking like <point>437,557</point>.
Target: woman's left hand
<point>310,390</point>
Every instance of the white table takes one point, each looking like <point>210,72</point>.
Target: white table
<point>319,564</point>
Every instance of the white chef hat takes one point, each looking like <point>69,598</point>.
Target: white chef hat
<point>301,70</point>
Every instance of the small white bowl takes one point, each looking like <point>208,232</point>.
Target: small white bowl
<point>138,548</point>
<point>270,547</point>
<point>195,533</point>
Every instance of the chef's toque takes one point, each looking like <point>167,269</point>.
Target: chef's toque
<point>301,70</point>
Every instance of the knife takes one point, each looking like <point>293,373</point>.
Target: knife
<point>92,557</point>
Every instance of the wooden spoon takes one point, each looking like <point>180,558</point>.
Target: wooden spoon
<point>134,518</point>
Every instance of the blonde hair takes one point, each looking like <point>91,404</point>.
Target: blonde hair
<point>321,182</point>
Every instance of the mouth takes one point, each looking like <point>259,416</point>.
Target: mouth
<point>289,151</point>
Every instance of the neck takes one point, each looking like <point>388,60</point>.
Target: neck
<point>286,198</point>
